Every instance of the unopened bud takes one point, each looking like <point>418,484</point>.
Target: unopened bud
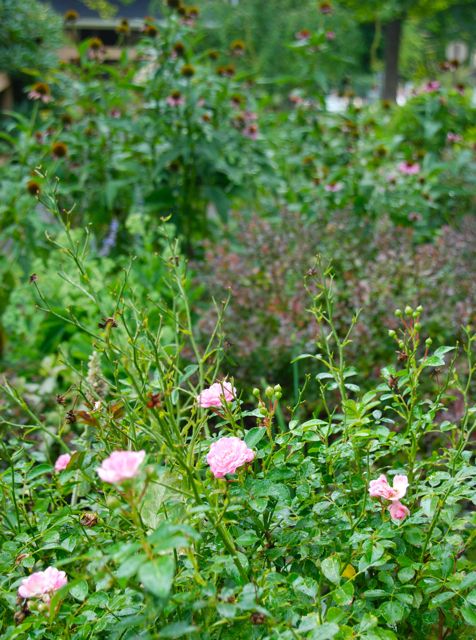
<point>269,392</point>
<point>417,326</point>
<point>277,388</point>
<point>428,342</point>
<point>391,333</point>
<point>256,392</point>
<point>398,313</point>
<point>150,471</point>
<point>408,310</point>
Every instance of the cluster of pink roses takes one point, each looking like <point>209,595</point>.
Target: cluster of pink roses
<point>229,453</point>
<point>381,489</point>
<point>225,456</point>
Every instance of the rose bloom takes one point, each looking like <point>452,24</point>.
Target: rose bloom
<point>409,168</point>
<point>42,584</point>
<point>398,511</point>
<point>120,466</point>
<point>214,395</point>
<point>227,454</point>
<point>381,489</point>
<point>62,462</point>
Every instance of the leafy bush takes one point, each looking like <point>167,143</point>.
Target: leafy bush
<point>231,519</point>
<point>261,265</point>
<point>30,34</point>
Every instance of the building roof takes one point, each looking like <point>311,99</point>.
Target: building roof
<point>130,9</point>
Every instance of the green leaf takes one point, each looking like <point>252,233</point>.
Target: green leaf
<point>345,594</point>
<point>157,575</point>
<point>441,597</point>
<point>79,590</point>
<point>325,631</point>
<point>253,436</point>
<point>406,574</point>
<point>368,621</point>
<point>331,569</point>
<point>177,630</point>
<point>392,611</point>
<point>469,614</point>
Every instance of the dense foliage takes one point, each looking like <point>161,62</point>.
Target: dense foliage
<point>238,349</point>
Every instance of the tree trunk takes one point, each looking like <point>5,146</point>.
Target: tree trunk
<point>392,36</point>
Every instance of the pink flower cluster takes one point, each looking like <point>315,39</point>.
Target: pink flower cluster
<point>214,395</point>
<point>227,454</point>
<point>380,488</point>
<point>409,168</point>
<point>120,466</point>
<point>42,584</point>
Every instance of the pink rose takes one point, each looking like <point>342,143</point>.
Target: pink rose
<point>409,168</point>
<point>398,511</point>
<point>120,466</point>
<point>227,454</point>
<point>381,489</point>
<point>42,583</point>
<point>214,395</point>
<point>62,462</point>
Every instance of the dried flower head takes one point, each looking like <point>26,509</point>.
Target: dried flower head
<point>95,44</point>
<point>89,519</point>
<point>33,188</point>
<point>325,8</point>
<point>154,401</point>
<point>226,71</point>
<point>71,16</point>
<point>237,47</point>
<point>107,322</point>
<point>67,119</point>
<point>179,49</point>
<point>150,30</point>
<point>59,150</point>
<point>193,11</point>
<point>213,54</point>
<point>187,70</point>
<point>123,27</point>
